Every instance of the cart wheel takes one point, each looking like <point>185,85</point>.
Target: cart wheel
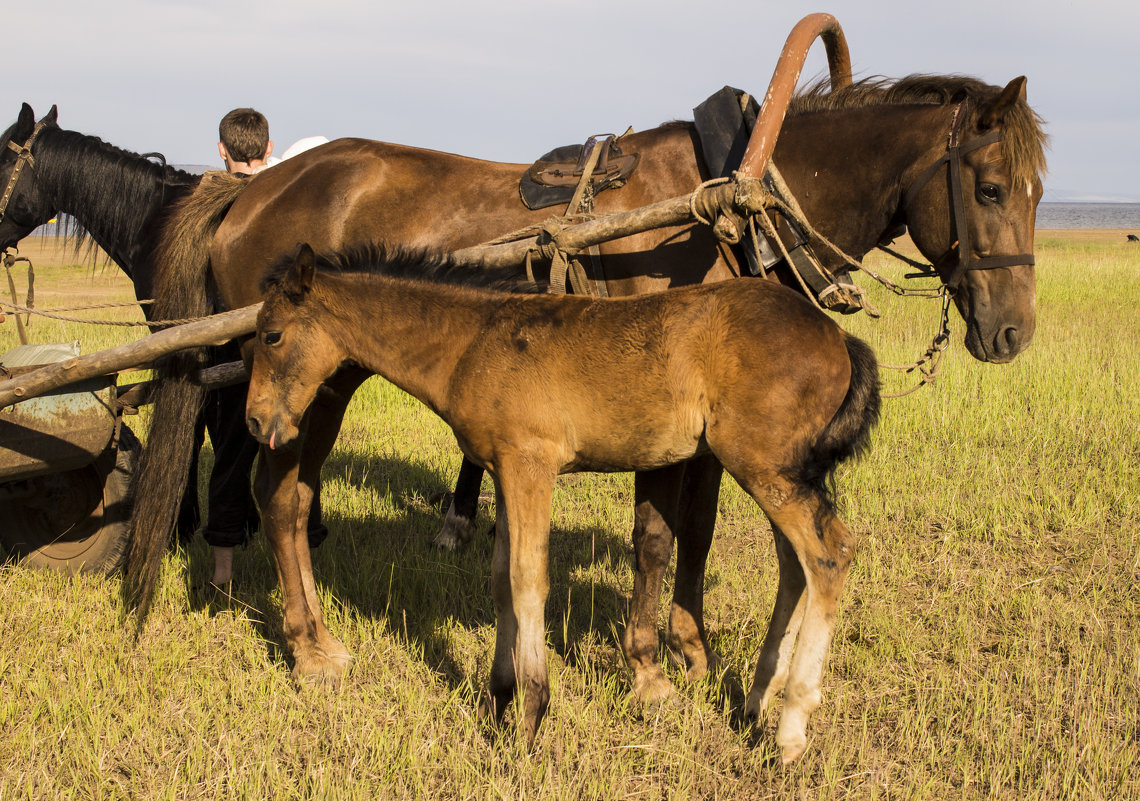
<point>77,520</point>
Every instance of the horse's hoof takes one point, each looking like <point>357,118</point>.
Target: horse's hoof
<point>652,687</point>
<point>455,532</point>
<point>699,668</point>
<point>316,668</point>
<point>790,752</point>
<point>335,651</point>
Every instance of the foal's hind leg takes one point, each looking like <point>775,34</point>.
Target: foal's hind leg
<point>459,524</point>
<point>824,548</point>
<point>653,518</point>
<point>787,614</point>
<point>694,531</point>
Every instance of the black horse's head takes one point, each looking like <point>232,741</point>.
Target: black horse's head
<point>24,205</point>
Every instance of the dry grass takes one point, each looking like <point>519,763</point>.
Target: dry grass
<point>986,646</point>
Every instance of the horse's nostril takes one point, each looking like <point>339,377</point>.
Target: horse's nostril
<point>1008,340</point>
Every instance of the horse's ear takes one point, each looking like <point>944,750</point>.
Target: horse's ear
<point>299,279</point>
<point>24,123</point>
<point>51,117</point>
<point>994,113</point>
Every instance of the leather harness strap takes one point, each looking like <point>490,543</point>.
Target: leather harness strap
<point>23,156</point>
<point>953,157</point>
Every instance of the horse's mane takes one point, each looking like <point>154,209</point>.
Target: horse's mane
<point>124,187</point>
<point>1023,141</point>
<point>411,264</point>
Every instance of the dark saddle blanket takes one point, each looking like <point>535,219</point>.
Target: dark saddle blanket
<point>552,179</point>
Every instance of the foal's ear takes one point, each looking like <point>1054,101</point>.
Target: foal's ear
<point>299,280</point>
<point>994,113</point>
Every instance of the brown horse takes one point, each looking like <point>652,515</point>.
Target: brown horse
<point>751,374</point>
<point>863,161</point>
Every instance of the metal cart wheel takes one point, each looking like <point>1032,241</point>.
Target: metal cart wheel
<point>76,520</point>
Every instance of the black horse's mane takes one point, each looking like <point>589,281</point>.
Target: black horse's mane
<point>411,264</point>
<point>122,189</point>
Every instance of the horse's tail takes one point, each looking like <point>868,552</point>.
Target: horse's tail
<point>181,259</point>
<point>848,434</point>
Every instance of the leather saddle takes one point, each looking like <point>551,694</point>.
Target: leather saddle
<point>552,179</point>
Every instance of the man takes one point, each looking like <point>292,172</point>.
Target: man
<point>245,148</point>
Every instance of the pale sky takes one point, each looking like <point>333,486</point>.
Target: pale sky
<point>509,80</point>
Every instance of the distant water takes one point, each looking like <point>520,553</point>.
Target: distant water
<point>1089,215</point>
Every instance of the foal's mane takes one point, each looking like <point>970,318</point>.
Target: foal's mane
<point>410,264</point>
<point>1023,141</point>
<point>122,187</point>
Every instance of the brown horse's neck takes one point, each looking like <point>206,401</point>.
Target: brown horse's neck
<point>849,168</point>
<point>411,333</point>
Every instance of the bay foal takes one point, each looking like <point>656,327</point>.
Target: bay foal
<point>538,385</point>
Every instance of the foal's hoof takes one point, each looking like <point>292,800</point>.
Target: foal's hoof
<point>318,668</point>
<point>455,532</point>
<point>651,687</point>
<point>790,752</point>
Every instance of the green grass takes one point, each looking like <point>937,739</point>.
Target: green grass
<point>986,646</point>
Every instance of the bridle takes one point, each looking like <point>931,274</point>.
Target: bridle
<point>953,157</point>
<point>23,156</point>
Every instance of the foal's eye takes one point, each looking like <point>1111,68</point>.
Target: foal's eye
<point>271,337</point>
<point>989,193</point>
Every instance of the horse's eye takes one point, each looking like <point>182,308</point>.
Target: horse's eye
<point>989,193</point>
<point>271,337</point>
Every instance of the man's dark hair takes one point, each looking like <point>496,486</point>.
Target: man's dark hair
<point>245,133</point>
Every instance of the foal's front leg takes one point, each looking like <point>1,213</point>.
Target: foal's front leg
<point>281,518</point>
<point>520,583</point>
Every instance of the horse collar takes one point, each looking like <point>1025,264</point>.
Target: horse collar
<point>23,156</point>
<point>953,158</point>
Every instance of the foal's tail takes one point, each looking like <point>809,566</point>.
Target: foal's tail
<point>181,260</point>
<point>849,432</point>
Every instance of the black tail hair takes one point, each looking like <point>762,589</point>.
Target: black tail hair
<point>849,432</point>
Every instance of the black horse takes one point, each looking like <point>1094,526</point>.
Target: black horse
<point>119,200</point>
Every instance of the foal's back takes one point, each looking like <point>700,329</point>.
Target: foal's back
<point>638,383</point>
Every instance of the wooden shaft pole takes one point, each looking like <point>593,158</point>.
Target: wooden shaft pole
<point>141,353</point>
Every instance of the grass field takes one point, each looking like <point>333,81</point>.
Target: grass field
<point>987,644</point>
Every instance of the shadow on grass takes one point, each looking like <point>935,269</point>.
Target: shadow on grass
<point>383,567</point>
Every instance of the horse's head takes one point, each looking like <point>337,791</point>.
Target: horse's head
<point>23,204</point>
<point>292,356</point>
<point>971,213</point>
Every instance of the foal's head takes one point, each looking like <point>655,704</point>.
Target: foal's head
<point>292,354</point>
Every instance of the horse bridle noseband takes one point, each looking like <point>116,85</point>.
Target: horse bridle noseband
<point>23,156</point>
<point>953,156</point>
